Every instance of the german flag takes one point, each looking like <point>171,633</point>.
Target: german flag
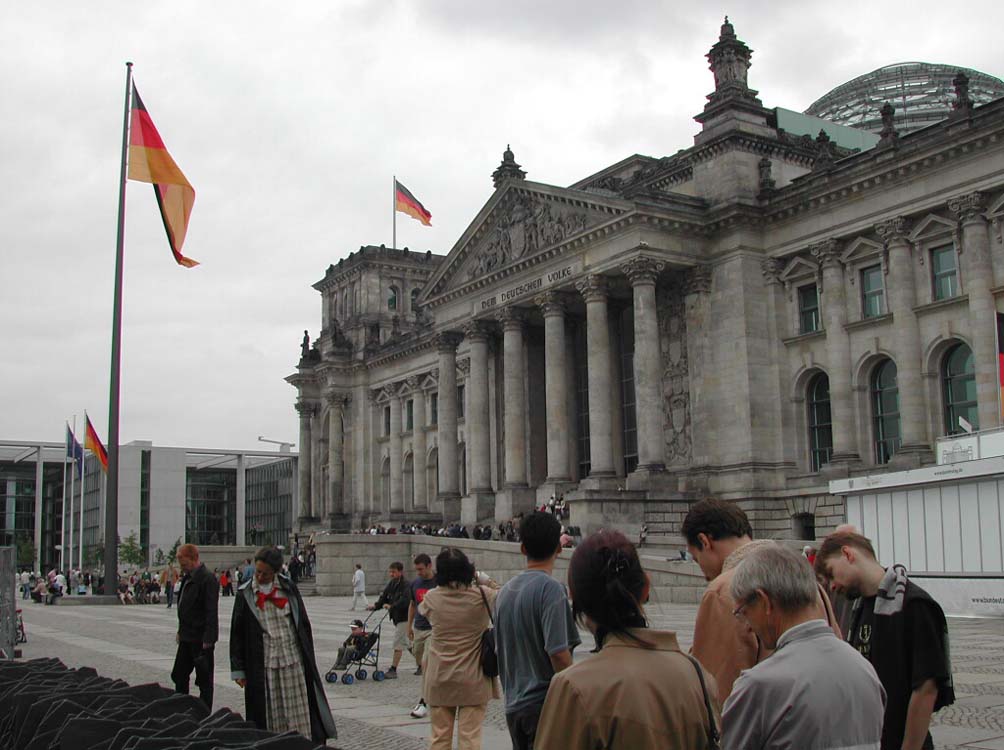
<point>407,203</point>
<point>93,444</point>
<point>150,162</point>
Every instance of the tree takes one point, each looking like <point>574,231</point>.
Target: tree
<point>130,552</point>
<point>172,555</point>
<point>26,551</point>
<point>159,559</point>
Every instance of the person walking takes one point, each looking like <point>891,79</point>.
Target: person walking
<point>535,632</point>
<point>198,625</point>
<point>359,588</point>
<point>788,700</point>
<point>455,686</point>
<point>396,598</point>
<point>900,629</point>
<point>272,654</point>
<point>419,627</point>
<point>640,692</point>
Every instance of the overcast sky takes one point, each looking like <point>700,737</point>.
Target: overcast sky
<point>289,119</point>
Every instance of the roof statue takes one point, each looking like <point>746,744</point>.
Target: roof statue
<point>508,169</point>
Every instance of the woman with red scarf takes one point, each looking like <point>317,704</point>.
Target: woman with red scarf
<point>272,654</point>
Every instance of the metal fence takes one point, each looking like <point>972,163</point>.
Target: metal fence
<point>8,601</point>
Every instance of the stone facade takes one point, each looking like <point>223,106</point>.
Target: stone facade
<point>713,322</point>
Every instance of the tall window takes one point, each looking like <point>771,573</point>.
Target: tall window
<point>958,376</point>
<point>414,298</point>
<point>808,309</point>
<point>626,345</point>
<point>434,408</point>
<point>872,298</point>
<point>392,298</point>
<point>460,402</point>
<point>582,401</point>
<point>885,411</point>
<point>144,501</point>
<point>409,414</point>
<point>820,429</point>
<point>386,421</point>
<point>944,273</point>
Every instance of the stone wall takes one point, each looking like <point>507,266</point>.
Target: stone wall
<point>218,557</point>
<point>337,555</point>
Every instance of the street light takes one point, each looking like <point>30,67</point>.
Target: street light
<point>284,447</point>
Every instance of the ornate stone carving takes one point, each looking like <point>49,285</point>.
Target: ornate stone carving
<point>771,269</point>
<point>888,136</point>
<point>413,382</point>
<point>767,182</point>
<point>963,103</point>
<point>477,330</point>
<point>698,280</point>
<point>827,253</point>
<point>305,409</point>
<point>524,224</point>
<point>968,207</point>
<point>642,270</point>
<point>896,229</point>
<point>550,303</point>
<point>336,398</point>
<point>305,346</point>
<point>672,315</point>
<point>464,366</point>
<point>729,60</point>
<point>511,317</point>
<point>508,169</point>
<point>447,341</point>
<point>824,153</point>
<point>592,287</point>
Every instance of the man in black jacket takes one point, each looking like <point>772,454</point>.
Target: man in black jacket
<point>396,598</point>
<point>198,625</point>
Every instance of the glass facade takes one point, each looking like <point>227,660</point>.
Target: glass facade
<point>808,309</point>
<point>958,377</point>
<point>270,491</point>
<point>820,427</point>
<point>211,506</point>
<point>885,411</point>
<point>872,293</point>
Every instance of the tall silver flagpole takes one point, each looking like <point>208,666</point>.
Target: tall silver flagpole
<point>63,523</point>
<point>393,213</point>
<point>80,524</point>
<point>68,543</point>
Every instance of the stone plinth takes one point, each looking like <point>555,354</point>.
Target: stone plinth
<point>478,507</point>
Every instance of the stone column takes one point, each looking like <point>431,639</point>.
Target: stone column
<point>306,411</point>
<point>642,273</point>
<point>977,283</point>
<point>778,330</point>
<point>336,435</point>
<point>477,416</point>
<point>697,303</point>
<point>514,370</point>
<point>601,460</point>
<point>396,485</point>
<point>419,448</point>
<point>449,476</point>
<point>555,385</point>
<point>901,291</point>
<point>838,350</point>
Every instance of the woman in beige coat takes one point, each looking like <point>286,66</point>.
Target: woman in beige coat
<point>456,690</point>
<point>641,692</point>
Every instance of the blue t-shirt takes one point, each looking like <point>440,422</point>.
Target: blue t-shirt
<point>533,621</point>
<point>419,588</point>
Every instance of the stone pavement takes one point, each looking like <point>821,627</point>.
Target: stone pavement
<point>136,643</point>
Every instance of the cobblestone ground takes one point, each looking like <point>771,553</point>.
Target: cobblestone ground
<point>137,644</point>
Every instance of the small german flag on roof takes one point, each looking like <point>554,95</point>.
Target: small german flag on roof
<point>407,203</point>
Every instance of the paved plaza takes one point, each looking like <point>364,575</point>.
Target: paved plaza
<point>136,643</point>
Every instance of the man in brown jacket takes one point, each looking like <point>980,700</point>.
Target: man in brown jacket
<point>719,537</point>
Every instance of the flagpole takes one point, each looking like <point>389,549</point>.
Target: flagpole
<point>68,546</point>
<point>67,450</point>
<point>80,524</point>
<point>112,501</point>
<point>393,213</point>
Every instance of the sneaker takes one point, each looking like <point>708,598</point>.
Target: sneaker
<point>418,672</point>
<point>390,674</point>
<point>420,711</point>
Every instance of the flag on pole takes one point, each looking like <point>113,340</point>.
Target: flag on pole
<point>407,203</point>
<point>1000,363</point>
<point>93,444</point>
<point>74,451</point>
<point>149,161</point>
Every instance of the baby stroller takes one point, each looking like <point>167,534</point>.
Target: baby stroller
<point>360,650</point>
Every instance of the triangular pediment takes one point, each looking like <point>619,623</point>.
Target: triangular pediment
<point>931,226</point>
<point>520,221</point>
<point>996,208</point>
<point>860,249</point>
<point>799,268</point>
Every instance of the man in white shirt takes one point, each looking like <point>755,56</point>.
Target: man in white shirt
<point>359,588</point>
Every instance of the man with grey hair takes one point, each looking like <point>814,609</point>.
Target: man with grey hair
<point>804,693</point>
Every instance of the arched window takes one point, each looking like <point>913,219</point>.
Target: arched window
<point>820,431</point>
<point>414,298</point>
<point>958,377</point>
<point>392,295</point>
<point>885,411</point>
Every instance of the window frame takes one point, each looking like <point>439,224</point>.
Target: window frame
<point>817,428</point>
<point>801,311</point>
<point>885,447</point>
<point>878,294</point>
<point>938,249</point>
<point>951,409</point>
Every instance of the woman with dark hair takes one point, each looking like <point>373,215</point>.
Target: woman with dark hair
<point>455,687</point>
<point>272,654</point>
<point>640,692</point>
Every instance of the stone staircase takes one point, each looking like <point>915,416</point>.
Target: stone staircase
<point>307,586</point>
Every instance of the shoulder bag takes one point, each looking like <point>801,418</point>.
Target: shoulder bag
<point>714,738</point>
<point>489,657</point>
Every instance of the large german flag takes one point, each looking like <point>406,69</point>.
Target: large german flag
<point>407,203</point>
<point>93,444</point>
<point>150,162</point>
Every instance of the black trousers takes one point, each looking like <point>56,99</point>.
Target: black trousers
<point>192,656</point>
<point>522,725</point>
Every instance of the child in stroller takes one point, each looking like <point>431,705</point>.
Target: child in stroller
<point>361,649</point>
<point>356,646</point>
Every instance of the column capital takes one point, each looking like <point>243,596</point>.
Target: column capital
<point>771,269</point>
<point>827,253</point>
<point>512,318</point>
<point>413,382</point>
<point>593,287</point>
<point>464,365</point>
<point>969,207</point>
<point>642,270</point>
<point>305,409</point>
<point>447,341</point>
<point>698,279</point>
<point>477,331</point>
<point>550,303</point>
<point>374,394</point>
<point>336,397</point>
<point>895,231</point>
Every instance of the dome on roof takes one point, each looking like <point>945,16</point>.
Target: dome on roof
<point>922,94</point>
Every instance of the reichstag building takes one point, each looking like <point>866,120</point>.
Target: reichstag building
<point>788,301</point>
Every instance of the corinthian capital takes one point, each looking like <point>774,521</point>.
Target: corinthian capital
<point>968,207</point>
<point>642,270</point>
<point>511,317</point>
<point>698,280</point>
<point>893,230</point>
<point>551,303</point>
<point>305,409</point>
<point>592,288</point>
<point>447,341</point>
<point>827,253</point>
<point>336,397</point>
<point>477,330</point>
